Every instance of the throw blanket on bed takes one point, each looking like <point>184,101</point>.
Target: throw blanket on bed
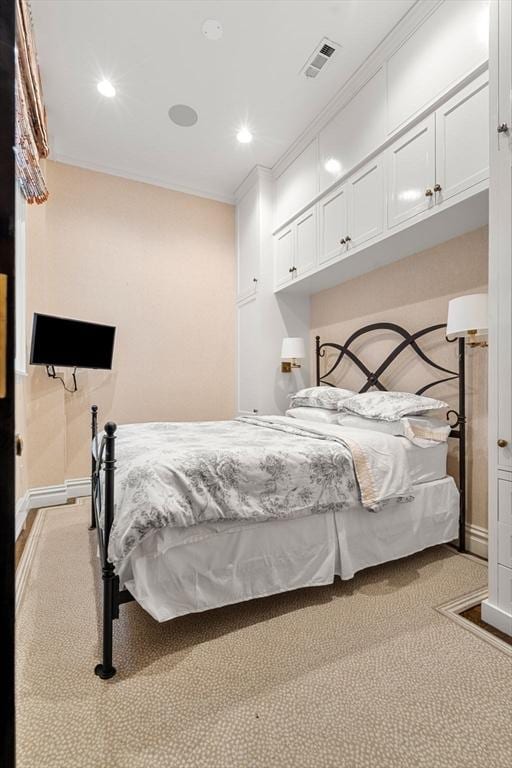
<point>254,468</point>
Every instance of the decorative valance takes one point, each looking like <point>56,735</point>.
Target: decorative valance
<point>31,136</point>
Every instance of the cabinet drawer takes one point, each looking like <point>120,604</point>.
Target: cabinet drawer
<point>505,588</point>
<point>505,544</point>
<point>505,501</point>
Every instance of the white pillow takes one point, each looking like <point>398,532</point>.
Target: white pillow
<point>314,414</point>
<point>390,406</point>
<point>417,429</point>
<point>320,397</point>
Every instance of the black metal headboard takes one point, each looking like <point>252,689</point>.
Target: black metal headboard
<point>373,378</point>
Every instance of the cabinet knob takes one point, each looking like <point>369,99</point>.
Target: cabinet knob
<point>294,269</point>
<point>428,192</point>
<point>255,410</point>
<point>291,269</point>
<point>255,279</point>
<point>348,239</point>
<point>502,443</point>
<point>437,187</point>
<point>502,128</point>
<point>342,241</point>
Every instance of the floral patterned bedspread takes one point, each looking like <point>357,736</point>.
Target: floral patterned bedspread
<point>182,474</point>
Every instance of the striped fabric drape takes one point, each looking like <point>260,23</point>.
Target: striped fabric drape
<point>31,135</point>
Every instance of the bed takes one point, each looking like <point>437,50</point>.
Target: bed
<point>199,515</point>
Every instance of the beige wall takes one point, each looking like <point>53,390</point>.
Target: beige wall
<point>414,293</point>
<point>157,264</point>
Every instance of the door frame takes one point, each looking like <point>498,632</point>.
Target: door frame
<point>7,476</point>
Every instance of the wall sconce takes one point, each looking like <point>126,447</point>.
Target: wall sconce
<point>467,317</point>
<point>292,349</point>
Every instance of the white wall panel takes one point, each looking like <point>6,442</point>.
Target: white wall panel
<point>450,44</point>
<point>248,243</point>
<point>296,186</point>
<point>358,129</point>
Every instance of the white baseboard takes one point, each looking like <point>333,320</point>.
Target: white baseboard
<point>476,540</point>
<point>49,496</point>
<point>79,486</point>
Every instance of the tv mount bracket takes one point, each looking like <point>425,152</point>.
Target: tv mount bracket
<point>50,370</point>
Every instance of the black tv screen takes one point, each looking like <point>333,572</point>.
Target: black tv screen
<point>71,343</point>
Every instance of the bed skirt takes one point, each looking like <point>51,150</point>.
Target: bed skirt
<point>178,571</point>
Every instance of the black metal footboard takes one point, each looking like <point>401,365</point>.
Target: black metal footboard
<point>103,464</point>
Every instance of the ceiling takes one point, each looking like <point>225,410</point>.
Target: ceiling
<point>156,55</point>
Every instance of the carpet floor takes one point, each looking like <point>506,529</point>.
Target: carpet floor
<point>359,674</point>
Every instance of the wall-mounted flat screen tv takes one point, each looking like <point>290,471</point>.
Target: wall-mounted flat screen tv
<point>62,342</point>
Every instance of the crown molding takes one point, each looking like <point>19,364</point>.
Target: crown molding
<point>257,174</point>
<point>132,176</point>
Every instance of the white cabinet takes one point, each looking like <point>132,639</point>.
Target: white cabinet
<point>352,213</point>
<point>284,255</point>
<point>248,340</point>
<point>297,185</point>
<point>451,42</point>
<point>462,140</point>
<point>248,243</point>
<point>438,163</point>
<point>264,318</point>
<point>411,173</point>
<point>295,248</point>
<point>497,608</point>
<point>305,242</point>
<point>443,156</point>
<point>333,224</point>
<point>351,135</point>
<point>366,203</point>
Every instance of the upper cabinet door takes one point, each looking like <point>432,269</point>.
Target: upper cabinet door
<point>297,185</point>
<point>305,242</point>
<point>248,238</point>
<point>358,129</point>
<point>411,173</point>
<point>367,198</point>
<point>462,140</point>
<point>333,215</point>
<point>450,44</point>
<point>284,253</point>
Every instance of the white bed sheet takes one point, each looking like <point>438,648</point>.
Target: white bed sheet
<point>426,464</point>
<point>179,571</point>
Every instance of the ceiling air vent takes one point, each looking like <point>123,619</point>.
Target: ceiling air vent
<point>319,58</point>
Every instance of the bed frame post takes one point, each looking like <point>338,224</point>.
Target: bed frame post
<point>462,445</point>
<point>105,670</point>
<point>317,357</point>
<point>94,430</point>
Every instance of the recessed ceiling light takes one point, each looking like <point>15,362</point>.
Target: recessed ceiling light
<point>183,115</point>
<point>212,29</point>
<point>244,135</point>
<point>106,88</point>
<point>332,166</point>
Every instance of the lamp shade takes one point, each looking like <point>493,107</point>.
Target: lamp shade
<point>467,313</point>
<point>293,347</point>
